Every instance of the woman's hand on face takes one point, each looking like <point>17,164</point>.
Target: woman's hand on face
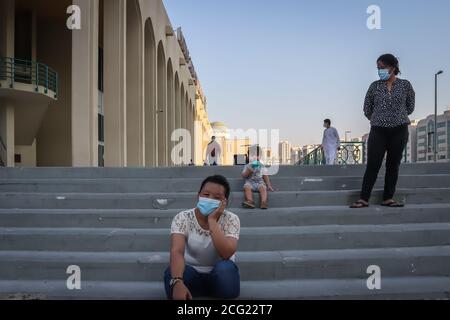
<point>219,211</point>
<point>181,292</point>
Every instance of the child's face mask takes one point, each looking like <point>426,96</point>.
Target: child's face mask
<point>256,164</point>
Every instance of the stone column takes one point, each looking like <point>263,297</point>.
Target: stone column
<point>114,83</point>
<point>85,86</point>
<point>7,34</point>
<point>7,133</point>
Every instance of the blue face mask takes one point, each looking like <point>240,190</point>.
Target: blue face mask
<point>207,206</point>
<point>256,164</point>
<point>384,74</point>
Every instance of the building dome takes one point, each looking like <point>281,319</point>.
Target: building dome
<point>218,125</point>
<point>219,129</point>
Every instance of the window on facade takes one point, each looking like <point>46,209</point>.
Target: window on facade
<point>100,69</point>
<point>101,131</point>
<point>448,139</point>
<point>430,136</point>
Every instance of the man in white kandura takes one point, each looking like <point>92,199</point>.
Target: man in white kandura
<point>330,143</point>
<point>213,153</point>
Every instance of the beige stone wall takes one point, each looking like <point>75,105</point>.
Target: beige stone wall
<point>54,140</point>
<point>28,155</point>
<point>148,89</point>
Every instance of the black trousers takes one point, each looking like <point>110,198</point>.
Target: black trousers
<point>382,141</point>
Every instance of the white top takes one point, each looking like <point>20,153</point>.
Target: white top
<point>200,252</point>
<point>330,138</point>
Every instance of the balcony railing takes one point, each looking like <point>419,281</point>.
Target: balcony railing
<point>15,70</point>
<point>349,153</point>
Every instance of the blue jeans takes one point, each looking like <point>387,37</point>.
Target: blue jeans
<point>222,283</point>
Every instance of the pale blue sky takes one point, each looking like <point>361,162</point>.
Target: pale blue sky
<point>288,64</point>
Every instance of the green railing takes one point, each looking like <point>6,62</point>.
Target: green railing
<point>349,153</point>
<point>15,70</point>
<point>314,158</point>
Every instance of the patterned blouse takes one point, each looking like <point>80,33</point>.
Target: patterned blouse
<point>389,109</point>
<point>200,252</point>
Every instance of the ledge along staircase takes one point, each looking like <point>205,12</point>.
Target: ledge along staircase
<point>114,224</point>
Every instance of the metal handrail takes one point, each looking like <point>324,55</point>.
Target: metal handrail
<point>315,157</point>
<point>29,72</point>
<point>350,152</point>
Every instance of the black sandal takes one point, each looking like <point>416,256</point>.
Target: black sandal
<point>359,205</point>
<point>393,204</point>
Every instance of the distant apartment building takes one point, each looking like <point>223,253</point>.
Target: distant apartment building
<point>296,154</point>
<point>425,138</point>
<point>411,147</point>
<point>420,142</point>
<point>284,149</point>
<point>307,149</point>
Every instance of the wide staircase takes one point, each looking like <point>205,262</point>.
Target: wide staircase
<point>114,224</point>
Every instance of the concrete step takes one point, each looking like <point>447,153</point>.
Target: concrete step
<point>154,218</point>
<point>193,184</point>
<point>392,288</point>
<point>280,199</point>
<point>202,172</point>
<point>252,239</point>
<point>280,265</point>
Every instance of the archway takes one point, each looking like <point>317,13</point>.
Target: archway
<point>170,110</point>
<point>150,96</point>
<point>161,106</point>
<point>134,71</point>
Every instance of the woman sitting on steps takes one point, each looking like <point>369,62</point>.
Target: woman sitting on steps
<point>204,243</point>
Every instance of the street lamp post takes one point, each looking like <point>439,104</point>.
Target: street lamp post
<point>435,114</point>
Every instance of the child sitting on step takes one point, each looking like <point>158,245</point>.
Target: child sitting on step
<point>256,180</point>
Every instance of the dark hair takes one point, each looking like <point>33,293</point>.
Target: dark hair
<point>327,121</point>
<point>221,180</point>
<point>391,61</point>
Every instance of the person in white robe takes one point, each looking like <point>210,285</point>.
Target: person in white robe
<point>330,142</point>
<point>213,153</point>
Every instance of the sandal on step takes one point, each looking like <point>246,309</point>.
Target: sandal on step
<point>264,206</point>
<point>359,205</point>
<point>248,204</point>
<point>393,204</point>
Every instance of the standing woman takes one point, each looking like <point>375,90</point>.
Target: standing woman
<point>388,103</point>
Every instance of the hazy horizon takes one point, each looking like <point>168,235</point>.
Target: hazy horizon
<point>290,64</point>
